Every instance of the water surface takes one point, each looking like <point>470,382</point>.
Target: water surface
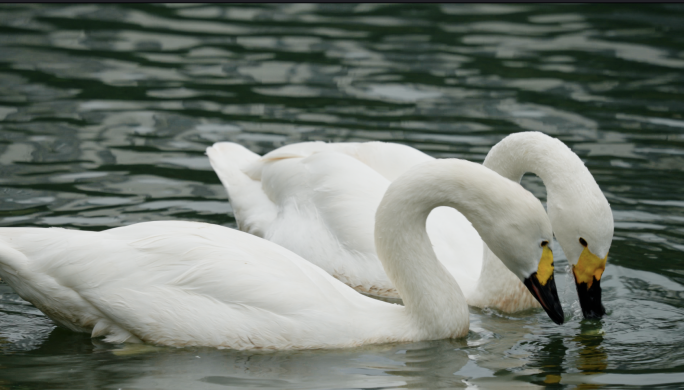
<point>106,110</point>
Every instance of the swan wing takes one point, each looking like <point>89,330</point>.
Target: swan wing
<point>181,284</point>
<point>326,214</point>
<point>346,195</point>
<point>325,196</point>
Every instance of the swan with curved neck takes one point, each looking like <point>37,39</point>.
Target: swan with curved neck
<point>580,214</point>
<point>194,284</point>
<point>337,234</point>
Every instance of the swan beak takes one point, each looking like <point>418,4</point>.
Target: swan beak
<point>543,287</point>
<point>587,273</point>
<point>547,297</point>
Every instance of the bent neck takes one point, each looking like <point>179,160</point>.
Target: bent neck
<point>556,165</point>
<point>561,170</point>
<point>431,295</point>
<point>574,200</point>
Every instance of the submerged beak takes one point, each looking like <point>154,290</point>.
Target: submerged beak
<point>587,273</point>
<point>543,287</point>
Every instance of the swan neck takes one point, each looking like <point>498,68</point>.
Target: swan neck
<point>574,200</point>
<point>430,293</point>
<point>546,157</point>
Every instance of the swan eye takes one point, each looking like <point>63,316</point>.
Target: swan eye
<point>583,242</point>
<point>544,243</point>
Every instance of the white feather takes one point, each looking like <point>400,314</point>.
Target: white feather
<point>334,228</point>
<point>195,284</point>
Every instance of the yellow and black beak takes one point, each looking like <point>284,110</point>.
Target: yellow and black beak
<point>587,272</point>
<point>543,287</point>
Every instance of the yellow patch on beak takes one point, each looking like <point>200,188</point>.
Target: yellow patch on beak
<point>588,267</point>
<point>545,269</point>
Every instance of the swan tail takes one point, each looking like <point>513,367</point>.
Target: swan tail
<point>12,262</point>
<point>34,277</point>
<point>252,208</point>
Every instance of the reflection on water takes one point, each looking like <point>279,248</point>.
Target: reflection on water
<point>415,365</point>
<point>106,110</point>
<point>592,358</point>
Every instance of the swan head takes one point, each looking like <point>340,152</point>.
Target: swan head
<point>521,238</point>
<point>583,226</point>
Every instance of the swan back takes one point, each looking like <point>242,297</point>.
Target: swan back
<point>388,159</point>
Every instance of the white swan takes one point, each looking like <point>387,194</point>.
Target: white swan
<point>195,284</point>
<point>267,194</point>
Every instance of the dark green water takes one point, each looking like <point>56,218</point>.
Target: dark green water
<point>105,112</point>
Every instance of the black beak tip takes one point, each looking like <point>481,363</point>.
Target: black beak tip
<point>594,315</point>
<point>547,296</point>
<point>590,300</point>
<point>559,318</point>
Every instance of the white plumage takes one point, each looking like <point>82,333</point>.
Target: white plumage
<point>319,200</point>
<point>186,283</point>
<point>182,283</point>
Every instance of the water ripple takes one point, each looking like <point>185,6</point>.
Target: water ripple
<point>106,110</point>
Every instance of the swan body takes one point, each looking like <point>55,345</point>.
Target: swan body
<point>185,283</point>
<point>195,284</point>
<point>340,241</point>
<point>319,200</point>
